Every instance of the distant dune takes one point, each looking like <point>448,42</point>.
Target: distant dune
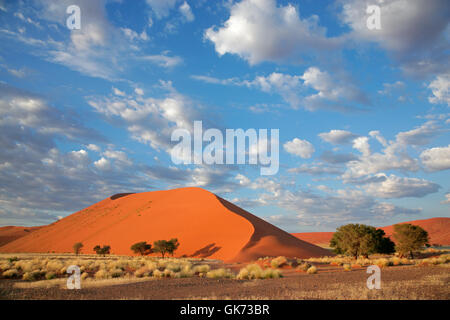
<point>11,233</point>
<point>206,226</point>
<point>438,230</point>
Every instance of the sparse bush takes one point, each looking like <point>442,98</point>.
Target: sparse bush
<point>396,261</point>
<point>25,266</point>
<point>278,262</point>
<point>168,273</point>
<point>304,267</point>
<point>50,275</point>
<point>382,263</point>
<point>347,267</point>
<point>203,268</point>
<point>31,276</point>
<point>11,273</point>
<point>254,271</point>
<point>5,265</point>
<point>54,265</point>
<point>186,272</point>
<point>116,273</point>
<point>221,273</point>
<point>272,274</point>
<point>175,267</point>
<point>158,274</point>
<point>143,272</point>
<point>312,270</point>
<point>101,274</point>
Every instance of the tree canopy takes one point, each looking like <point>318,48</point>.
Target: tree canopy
<point>360,239</point>
<point>102,250</point>
<point>409,238</point>
<point>166,246</point>
<point>143,248</point>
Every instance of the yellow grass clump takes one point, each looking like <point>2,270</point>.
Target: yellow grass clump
<point>278,262</point>
<point>203,268</point>
<point>254,271</point>
<point>221,273</point>
<point>312,270</point>
<point>11,273</point>
<point>101,274</point>
<point>304,267</point>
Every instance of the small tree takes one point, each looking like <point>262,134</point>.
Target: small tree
<point>102,250</point>
<point>143,248</point>
<point>77,248</point>
<point>172,245</point>
<point>160,246</point>
<point>409,238</point>
<point>166,246</point>
<point>360,239</point>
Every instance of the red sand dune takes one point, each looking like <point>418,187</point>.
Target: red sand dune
<point>11,233</point>
<point>205,225</point>
<point>438,230</point>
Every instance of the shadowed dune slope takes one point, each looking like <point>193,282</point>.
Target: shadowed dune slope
<point>438,230</point>
<point>205,225</point>
<point>11,233</point>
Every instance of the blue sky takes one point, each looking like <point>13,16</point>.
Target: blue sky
<point>363,114</point>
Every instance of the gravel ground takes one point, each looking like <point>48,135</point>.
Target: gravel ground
<point>402,282</point>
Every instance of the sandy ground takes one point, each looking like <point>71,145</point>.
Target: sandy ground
<point>402,282</point>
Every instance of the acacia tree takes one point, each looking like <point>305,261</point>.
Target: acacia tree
<point>360,239</point>
<point>165,246</point>
<point>143,248</point>
<point>77,248</point>
<point>409,238</point>
<point>160,246</point>
<point>102,250</point>
<point>172,245</point>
